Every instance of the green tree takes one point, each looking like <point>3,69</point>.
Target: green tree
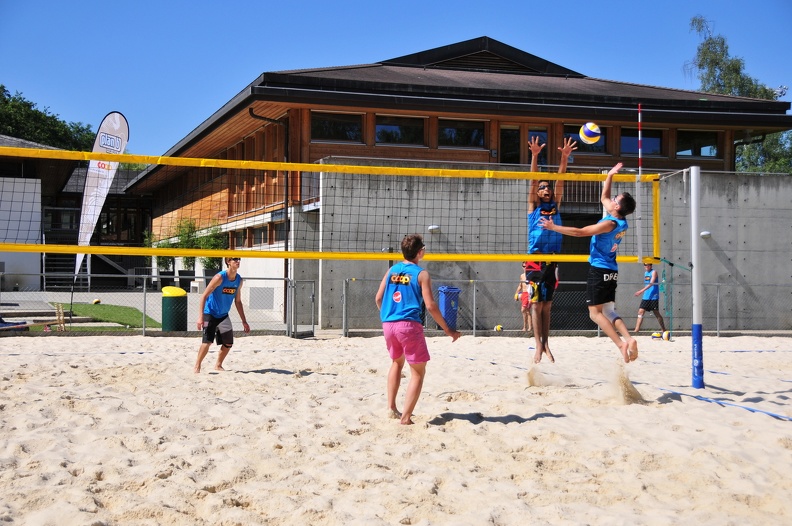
<point>187,235</point>
<point>21,118</point>
<point>721,73</point>
<point>215,239</point>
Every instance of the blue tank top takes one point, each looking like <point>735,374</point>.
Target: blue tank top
<point>222,297</point>
<point>604,247</point>
<point>541,241</point>
<point>653,292</point>
<point>403,299</point>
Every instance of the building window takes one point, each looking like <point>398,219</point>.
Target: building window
<point>651,141</point>
<point>573,131</point>
<point>260,236</point>
<point>460,134</point>
<point>338,127</point>
<point>239,239</point>
<point>400,130</point>
<point>541,133</point>
<point>697,144</point>
<point>279,231</point>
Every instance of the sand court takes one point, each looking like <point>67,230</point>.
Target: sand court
<point>107,430</point>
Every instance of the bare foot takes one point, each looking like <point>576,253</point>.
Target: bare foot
<point>625,352</point>
<point>394,414</point>
<point>219,368</point>
<point>407,422</point>
<point>549,355</point>
<point>632,348</point>
<point>197,369</point>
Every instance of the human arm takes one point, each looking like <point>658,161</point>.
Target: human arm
<point>519,287</point>
<point>536,149</point>
<point>217,279</point>
<point>240,308</point>
<point>652,282</point>
<point>566,150</point>
<point>587,231</point>
<point>381,291</point>
<point>431,305</point>
<point>605,197</point>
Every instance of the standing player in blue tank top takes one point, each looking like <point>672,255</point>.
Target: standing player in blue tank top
<point>213,320</point>
<point>402,292</point>
<point>543,201</point>
<point>603,269</point>
<point>651,298</point>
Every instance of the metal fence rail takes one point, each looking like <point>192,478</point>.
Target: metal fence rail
<point>483,304</point>
<point>272,306</point>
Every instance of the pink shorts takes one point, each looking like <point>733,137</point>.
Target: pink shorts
<point>406,338</point>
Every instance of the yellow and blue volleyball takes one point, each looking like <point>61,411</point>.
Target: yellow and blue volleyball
<point>667,335</point>
<point>657,335</point>
<point>590,133</point>
<point>498,328</point>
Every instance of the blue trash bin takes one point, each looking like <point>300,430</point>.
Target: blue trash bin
<point>449,305</point>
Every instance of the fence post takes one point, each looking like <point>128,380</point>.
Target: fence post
<point>144,307</point>
<point>344,321</point>
<point>473,281</point>
<point>717,309</point>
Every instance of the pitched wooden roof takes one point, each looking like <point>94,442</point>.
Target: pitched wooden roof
<point>478,76</point>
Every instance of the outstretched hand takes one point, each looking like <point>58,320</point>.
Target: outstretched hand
<point>546,223</point>
<point>535,147</point>
<point>569,145</point>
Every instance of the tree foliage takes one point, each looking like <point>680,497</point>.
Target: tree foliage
<point>721,73</point>
<point>21,119</point>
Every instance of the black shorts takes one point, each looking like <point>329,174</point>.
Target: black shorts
<point>542,282</point>
<point>650,305</point>
<point>601,286</point>
<point>219,329</point>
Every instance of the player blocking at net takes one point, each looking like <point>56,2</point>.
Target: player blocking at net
<point>603,275</point>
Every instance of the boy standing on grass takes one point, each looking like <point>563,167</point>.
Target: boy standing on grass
<point>603,269</point>
<point>402,291</point>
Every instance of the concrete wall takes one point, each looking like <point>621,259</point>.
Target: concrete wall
<point>746,261</point>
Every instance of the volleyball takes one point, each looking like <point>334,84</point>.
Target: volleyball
<point>667,335</point>
<point>657,335</point>
<point>590,133</point>
<point>498,328</point>
<point>96,301</point>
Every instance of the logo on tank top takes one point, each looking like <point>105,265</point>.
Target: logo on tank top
<point>397,297</point>
<point>229,290</point>
<point>400,279</point>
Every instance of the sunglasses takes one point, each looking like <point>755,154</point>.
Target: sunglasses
<point>543,187</point>
<point>236,259</point>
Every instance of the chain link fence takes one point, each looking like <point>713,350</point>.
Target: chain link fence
<point>272,306</point>
<point>729,308</point>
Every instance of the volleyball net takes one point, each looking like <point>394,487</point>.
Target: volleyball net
<point>338,208</point>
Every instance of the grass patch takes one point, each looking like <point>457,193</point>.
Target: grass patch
<point>114,314</point>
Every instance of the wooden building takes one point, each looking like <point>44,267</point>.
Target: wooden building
<point>477,101</point>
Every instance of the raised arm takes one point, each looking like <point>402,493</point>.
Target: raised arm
<point>536,149</point>
<point>566,150</point>
<point>605,198</point>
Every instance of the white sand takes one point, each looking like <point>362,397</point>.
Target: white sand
<point>109,430</point>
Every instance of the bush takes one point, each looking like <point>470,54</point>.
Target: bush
<point>216,239</point>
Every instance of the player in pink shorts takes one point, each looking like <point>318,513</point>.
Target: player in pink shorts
<point>404,288</point>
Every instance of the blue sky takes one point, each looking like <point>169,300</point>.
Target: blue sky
<point>169,64</point>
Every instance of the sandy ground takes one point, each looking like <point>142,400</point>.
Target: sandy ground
<point>108,430</point>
